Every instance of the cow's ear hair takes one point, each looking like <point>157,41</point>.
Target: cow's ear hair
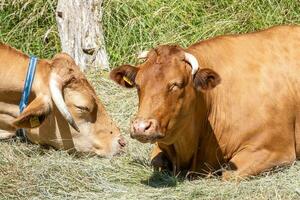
<point>35,113</point>
<point>124,75</point>
<point>64,66</point>
<point>206,79</point>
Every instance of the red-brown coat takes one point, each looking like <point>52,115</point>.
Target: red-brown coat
<point>241,108</point>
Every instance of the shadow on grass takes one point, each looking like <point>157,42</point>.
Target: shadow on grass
<point>158,179</point>
<point>162,179</point>
<point>166,179</point>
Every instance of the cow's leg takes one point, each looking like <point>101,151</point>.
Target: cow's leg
<point>7,130</point>
<point>8,113</point>
<point>158,159</point>
<point>7,134</point>
<point>250,162</point>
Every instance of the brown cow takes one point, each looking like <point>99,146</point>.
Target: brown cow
<point>74,102</point>
<point>250,120</point>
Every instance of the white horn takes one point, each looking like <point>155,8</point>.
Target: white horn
<point>193,62</point>
<point>143,55</point>
<point>58,99</point>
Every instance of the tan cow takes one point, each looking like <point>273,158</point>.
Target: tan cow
<point>74,102</point>
<point>250,120</point>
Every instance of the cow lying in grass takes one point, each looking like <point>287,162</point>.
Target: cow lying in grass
<point>60,96</point>
<point>232,100</point>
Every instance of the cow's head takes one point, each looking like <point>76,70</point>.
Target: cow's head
<point>91,129</point>
<point>167,83</point>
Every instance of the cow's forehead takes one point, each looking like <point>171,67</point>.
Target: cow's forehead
<point>156,70</point>
<point>83,87</point>
<point>168,50</point>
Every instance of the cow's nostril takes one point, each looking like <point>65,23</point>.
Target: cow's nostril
<point>143,126</point>
<point>122,142</point>
<point>148,125</point>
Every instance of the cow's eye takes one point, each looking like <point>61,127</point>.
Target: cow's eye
<point>83,108</point>
<point>175,86</point>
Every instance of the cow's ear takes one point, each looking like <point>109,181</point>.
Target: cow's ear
<point>124,75</point>
<point>35,113</point>
<point>206,79</point>
<point>64,66</point>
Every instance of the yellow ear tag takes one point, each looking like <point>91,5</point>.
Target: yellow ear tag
<point>34,122</point>
<point>127,80</point>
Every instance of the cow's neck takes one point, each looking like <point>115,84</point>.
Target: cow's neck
<point>185,147</point>
<point>209,155</point>
<point>183,151</point>
<point>13,70</point>
<point>196,148</point>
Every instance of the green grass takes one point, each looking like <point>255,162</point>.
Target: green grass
<point>134,25</point>
<point>28,171</point>
<point>30,25</point>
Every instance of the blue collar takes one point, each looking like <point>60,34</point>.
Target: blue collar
<point>26,92</point>
<point>28,83</point>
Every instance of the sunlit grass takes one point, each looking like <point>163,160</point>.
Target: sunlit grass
<point>29,171</point>
<point>30,25</point>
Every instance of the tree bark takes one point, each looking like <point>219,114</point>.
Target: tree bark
<point>81,33</point>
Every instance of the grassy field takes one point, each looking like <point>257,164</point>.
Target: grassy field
<point>31,172</point>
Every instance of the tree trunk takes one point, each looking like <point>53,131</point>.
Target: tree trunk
<point>81,33</point>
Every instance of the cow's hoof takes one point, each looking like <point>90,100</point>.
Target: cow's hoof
<point>161,162</point>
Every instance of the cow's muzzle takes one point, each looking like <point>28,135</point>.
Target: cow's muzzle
<point>145,130</point>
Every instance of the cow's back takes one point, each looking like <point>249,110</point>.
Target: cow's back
<point>258,100</point>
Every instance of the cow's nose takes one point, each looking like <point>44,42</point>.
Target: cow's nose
<point>141,126</point>
<point>122,142</point>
